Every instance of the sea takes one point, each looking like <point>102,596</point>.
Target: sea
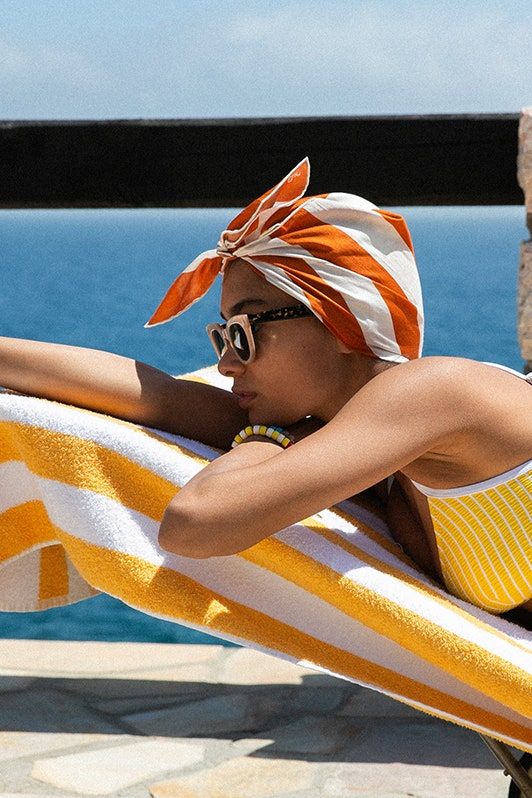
<point>92,278</point>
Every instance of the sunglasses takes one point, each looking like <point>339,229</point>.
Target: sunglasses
<point>238,331</point>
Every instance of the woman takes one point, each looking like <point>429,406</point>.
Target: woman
<point>323,336</point>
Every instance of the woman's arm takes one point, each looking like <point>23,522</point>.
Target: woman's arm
<point>259,488</point>
<point>121,387</point>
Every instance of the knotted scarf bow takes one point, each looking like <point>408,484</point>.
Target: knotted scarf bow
<point>350,262</point>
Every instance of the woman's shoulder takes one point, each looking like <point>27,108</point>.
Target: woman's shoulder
<point>432,372</point>
<point>452,384</point>
<point>458,372</point>
<point>425,387</point>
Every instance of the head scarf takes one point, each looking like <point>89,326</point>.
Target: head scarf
<point>350,262</point>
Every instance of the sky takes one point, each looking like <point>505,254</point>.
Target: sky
<point>130,59</point>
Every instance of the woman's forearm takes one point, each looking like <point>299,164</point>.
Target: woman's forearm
<point>120,386</point>
<point>71,374</point>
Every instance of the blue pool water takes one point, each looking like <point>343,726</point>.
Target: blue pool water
<point>93,277</point>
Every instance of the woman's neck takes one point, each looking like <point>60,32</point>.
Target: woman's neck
<point>358,371</point>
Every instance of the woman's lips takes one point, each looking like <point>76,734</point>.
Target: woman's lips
<point>245,398</point>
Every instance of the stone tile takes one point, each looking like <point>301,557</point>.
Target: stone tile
<point>312,735</point>
<point>250,744</point>
<point>43,657</point>
<point>245,666</point>
<point>23,744</point>
<point>136,704</point>
<point>396,779</point>
<point>48,711</point>
<point>196,652</point>
<point>219,714</point>
<point>241,778</point>
<point>107,770</point>
<point>11,683</point>
<point>428,740</point>
<point>180,673</point>
<point>270,706</point>
<point>124,686</point>
<point>317,699</point>
<point>370,703</point>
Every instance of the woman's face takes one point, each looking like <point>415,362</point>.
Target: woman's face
<point>299,368</point>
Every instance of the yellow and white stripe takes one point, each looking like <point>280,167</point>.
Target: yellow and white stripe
<point>80,503</point>
<point>484,538</point>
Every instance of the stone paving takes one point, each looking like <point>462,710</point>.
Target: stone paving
<point>207,721</point>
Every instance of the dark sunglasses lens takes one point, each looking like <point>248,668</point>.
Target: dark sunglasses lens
<point>218,342</point>
<point>239,341</point>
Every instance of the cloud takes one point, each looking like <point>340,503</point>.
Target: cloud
<point>46,64</point>
<point>405,54</point>
<point>285,58</point>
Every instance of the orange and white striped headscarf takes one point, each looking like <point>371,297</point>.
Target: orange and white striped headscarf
<point>350,262</point>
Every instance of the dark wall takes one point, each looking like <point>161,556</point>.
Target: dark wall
<point>410,160</point>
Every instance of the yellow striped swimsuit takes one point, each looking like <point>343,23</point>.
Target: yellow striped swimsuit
<point>484,537</point>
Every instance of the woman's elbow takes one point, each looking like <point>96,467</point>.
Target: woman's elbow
<point>184,533</point>
<point>176,534</point>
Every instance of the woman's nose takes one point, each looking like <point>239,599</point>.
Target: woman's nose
<point>229,365</point>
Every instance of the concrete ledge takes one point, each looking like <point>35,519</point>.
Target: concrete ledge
<point>140,719</point>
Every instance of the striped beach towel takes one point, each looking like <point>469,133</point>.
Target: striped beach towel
<point>81,497</point>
